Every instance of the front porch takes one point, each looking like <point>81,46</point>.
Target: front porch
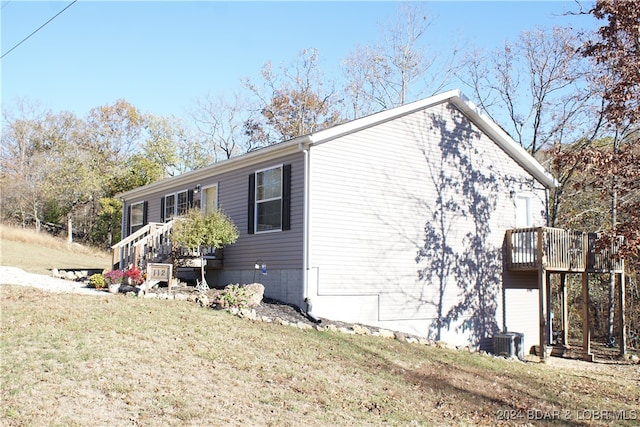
<point>548,251</point>
<point>152,244</point>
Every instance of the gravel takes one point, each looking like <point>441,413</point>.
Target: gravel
<point>17,276</point>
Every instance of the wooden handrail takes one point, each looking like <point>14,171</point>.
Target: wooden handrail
<point>133,249</point>
<point>558,249</point>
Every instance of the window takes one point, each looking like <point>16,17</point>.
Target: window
<point>210,199</point>
<point>182,203</point>
<point>523,211</point>
<point>176,204</point>
<point>137,217</point>
<point>269,200</point>
<point>169,207</point>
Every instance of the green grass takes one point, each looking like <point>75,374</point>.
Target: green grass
<point>82,360</point>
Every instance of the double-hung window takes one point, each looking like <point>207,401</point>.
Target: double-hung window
<point>269,199</point>
<point>182,203</point>
<point>137,217</point>
<point>169,207</point>
<point>176,204</point>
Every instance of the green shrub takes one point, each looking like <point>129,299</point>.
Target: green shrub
<point>233,296</point>
<point>97,281</point>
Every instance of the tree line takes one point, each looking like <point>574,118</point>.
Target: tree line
<point>569,98</point>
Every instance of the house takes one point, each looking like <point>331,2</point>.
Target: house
<point>396,220</point>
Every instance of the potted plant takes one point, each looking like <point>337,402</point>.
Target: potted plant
<point>114,279</point>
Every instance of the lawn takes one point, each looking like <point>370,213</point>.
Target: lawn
<point>82,360</point>
<point>68,359</point>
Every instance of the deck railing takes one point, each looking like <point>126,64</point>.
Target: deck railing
<point>152,243</point>
<point>143,246</point>
<point>557,249</point>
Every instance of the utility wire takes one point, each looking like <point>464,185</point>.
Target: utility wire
<point>38,29</point>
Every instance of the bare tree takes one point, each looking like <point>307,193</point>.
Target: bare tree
<point>536,87</point>
<point>220,126</point>
<point>398,69</point>
<point>295,102</point>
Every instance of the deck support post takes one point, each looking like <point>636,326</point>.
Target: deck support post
<point>586,330</point>
<point>549,308</point>
<point>621,302</point>
<point>565,309</point>
<point>544,312</point>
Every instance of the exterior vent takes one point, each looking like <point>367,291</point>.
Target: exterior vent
<point>509,344</point>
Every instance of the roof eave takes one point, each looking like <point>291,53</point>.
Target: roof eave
<point>505,141</point>
<point>187,178</point>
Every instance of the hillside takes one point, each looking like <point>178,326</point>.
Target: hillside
<point>40,252</point>
<point>115,360</point>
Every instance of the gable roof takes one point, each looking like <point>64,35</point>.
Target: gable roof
<point>455,97</point>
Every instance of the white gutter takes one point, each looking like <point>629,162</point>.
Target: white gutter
<point>511,147</point>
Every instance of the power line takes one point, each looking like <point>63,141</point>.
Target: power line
<point>38,29</point>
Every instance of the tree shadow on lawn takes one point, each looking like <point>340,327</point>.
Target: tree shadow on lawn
<point>467,392</point>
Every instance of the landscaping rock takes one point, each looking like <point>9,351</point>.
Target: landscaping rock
<point>203,300</point>
<point>303,326</point>
<point>361,330</point>
<point>255,293</point>
<point>247,313</point>
<point>399,336</point>
<point>385,333</point>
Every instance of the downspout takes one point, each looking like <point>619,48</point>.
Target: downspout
<point>122,220</point>
<point>546,203</point>
<point>305,235</point>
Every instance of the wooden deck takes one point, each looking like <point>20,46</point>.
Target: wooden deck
<point>547,251</point>
<point>559,250</point>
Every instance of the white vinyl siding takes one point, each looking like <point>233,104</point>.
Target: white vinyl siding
<point>374,195</point>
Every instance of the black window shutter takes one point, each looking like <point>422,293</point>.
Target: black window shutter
<point>252,201</point>
<point>162,209</point>
<point>128,224</point>
<point>145,208</point>
<point>286,197</point>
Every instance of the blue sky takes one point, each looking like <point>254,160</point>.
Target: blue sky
<point>162,56</point>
